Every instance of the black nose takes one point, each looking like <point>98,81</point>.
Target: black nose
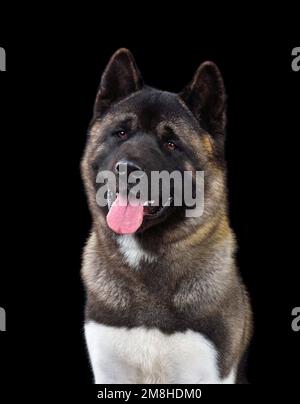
<point>122,165</point>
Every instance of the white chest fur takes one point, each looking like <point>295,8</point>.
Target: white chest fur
<point>133,251</point>
<point>140,355</point>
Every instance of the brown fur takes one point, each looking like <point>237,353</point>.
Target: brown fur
<point>192,281</point>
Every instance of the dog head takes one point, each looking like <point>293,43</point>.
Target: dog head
<point>137,128</point>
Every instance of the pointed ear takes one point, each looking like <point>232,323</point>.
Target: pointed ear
<point>205,97</point>
<point>120,78</point>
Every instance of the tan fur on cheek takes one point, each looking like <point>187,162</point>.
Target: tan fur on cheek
<point>207,144</point>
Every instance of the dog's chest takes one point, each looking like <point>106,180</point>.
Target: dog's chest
<point>140,355</point>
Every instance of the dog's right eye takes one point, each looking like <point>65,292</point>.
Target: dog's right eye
<point>170,145</point>
<point>122,134</point>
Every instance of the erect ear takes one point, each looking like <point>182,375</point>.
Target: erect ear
<point>205,96</point>
<point>120,78</point>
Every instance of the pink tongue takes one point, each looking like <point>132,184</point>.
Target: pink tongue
<point>125,219</point>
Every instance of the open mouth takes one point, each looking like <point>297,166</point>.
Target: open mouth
<point>126,216</point>
<point>153,209</point>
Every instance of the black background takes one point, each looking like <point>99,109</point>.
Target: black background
<point>46,99</point>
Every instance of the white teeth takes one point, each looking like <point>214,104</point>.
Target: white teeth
<point>167,203</point>
<point>149,203</point>
<point>152,203</point>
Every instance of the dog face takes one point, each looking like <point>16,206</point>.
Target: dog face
<point>149,130</point>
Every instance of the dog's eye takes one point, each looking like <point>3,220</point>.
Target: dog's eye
<point>170,145</point>
<point>122,134</point>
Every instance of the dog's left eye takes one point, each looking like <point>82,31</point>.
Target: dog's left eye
<point>122,134</point>
<point>170,145</point>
